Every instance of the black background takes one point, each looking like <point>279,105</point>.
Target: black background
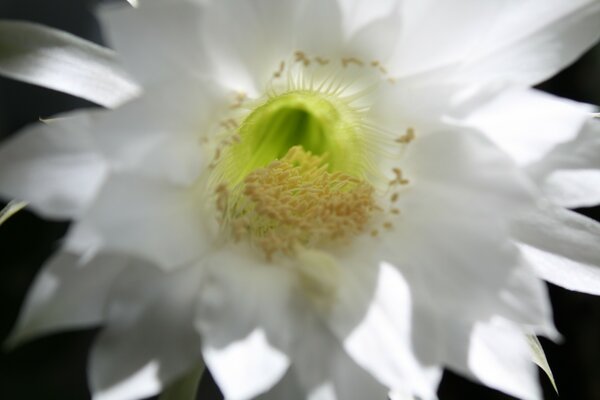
<point>54,367</point>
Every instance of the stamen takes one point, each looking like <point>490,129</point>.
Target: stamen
<point>351,60</point>
<point>408,137</point>
<point>278,73</point>
<point>295,202</point>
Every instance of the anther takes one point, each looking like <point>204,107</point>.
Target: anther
<point>301,57</point>
<point>408,137</point>
<point>351,60</point>
<point>278,73</point>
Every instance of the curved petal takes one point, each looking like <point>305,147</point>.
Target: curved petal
<point>287,388</point>
<point>371,31</point>
<point>58,60</point>
<point>172,29</point>
<point>532,40</point>
<point>570,174</point>
<point>149,338</point>
<point>53,166</point>
<point>357,14</point>
<point>573,188</point>
<point>464,167</point>
<point>562,246</point>
<point>437,34</point>
<point>69,293</point>
<point>253,320</point>
<point>234,34</point>
<point>323,368</point>
<point>500,357</point>
<point>528,124</point>
<point>521,43</point>
<point>378,337</point>
<point>323,371</point>
<point>322,33</point>
<point>563,271</point>
<point>160,134</point>
<point>243,315</point>
<point>527,302</point>
<point>152,219</point>
<point>475,271</point>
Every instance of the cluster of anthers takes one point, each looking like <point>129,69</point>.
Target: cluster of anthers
<point>297,200</point>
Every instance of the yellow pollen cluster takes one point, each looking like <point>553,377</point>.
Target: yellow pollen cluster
<point>294,202</point>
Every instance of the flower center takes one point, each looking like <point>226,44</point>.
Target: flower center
<point>321,124</point>
<point>296,175</point>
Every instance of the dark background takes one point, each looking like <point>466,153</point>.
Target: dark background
<point>54,367</point>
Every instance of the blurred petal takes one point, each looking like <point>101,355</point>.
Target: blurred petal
<point>528,124</point>
<point>145,38</point>
<point>573,188</point>
<point>529,43</point>
<point>132,213</point>
<point>244,317</point>
<point>160,134</point>
<point>53,166</point>
<point>323,368</point>
<point>500,357</point>
<point>69,293</point>
<point>562,246</point>
<point>570,174</point>
<point>149,339</point>
<point>381,342</point>
<point>58,60</point>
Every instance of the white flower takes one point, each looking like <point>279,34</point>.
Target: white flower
<point>414,206</point>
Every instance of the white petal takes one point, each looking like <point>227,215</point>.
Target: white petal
<point>67,294</point>
<point>254,300</point>
<point>573,188</point>
<point>374,27</point>
<point>58,60</point>
<point>149,339</point>
<point>141,383</point>
<point>359,13</point>
<point>157,40</point>
<point>527,124</point>
<point>324,369</point>
<point>527,301</point>
<point>463,167</point>
<point>531,41</point>
<point>244,317</point>
<point>159,134</point>
<point>371,316</point>
<point>475,41</point>
<point>570,174</point>
<point>320,25</point>
<point>53,166</point>
<point>234,33</point>
<point>562,271</point>
<point>151,219</point>
<point>500,357</point>
<point>288,388</point>
<point>247,367</point>
<point>436,34</point>
<point>562,246</point>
